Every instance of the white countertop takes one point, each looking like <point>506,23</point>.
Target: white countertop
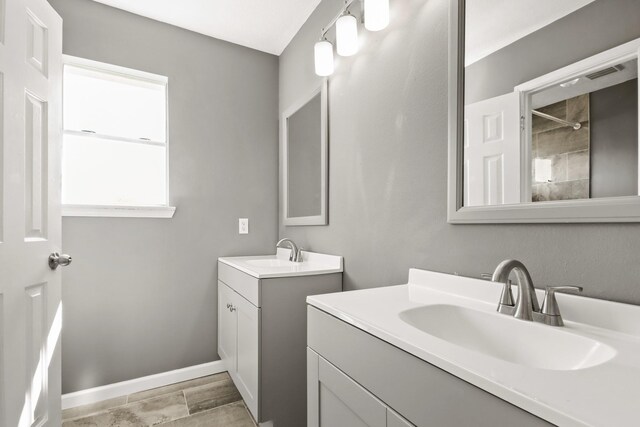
<point>278,265</point>
<point>603,395</point>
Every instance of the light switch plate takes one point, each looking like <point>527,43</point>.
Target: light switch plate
<point>243,225</point>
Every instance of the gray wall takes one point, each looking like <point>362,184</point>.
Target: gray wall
<point>592,29</point>
<point>141,295</point>
<point>388,165</point>
<point>614,140</point>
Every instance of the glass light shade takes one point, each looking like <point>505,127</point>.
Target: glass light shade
<point>347,35</point>
<point>323,51</point>
<point>376,14</point>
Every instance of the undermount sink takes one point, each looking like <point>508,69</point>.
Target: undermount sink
<point>516,341</point>
<point>273,262</point>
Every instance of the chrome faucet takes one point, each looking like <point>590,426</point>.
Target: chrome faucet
<point>526,307</point>
<point>296,254</point>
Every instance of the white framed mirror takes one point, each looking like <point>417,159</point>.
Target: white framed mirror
<point>304,132</point>
<point>542,127</point>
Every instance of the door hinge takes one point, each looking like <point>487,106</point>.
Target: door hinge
<point>521,123</point>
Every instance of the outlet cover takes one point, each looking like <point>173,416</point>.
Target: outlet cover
<point>243,225</point>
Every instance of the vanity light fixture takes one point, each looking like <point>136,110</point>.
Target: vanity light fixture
<point>570,83</point>
<point>347,35</point>
<point>376,18</point>
<point>323,52</point>
<point>376,14</point>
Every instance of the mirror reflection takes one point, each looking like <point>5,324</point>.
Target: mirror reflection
<point>543,120</point>
<point>304,151</point>
<point>304,163</point>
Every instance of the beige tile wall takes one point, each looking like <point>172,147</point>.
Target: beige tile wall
<point>567,150</point>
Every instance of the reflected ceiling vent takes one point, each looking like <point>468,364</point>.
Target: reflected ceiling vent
<point>605,72</point>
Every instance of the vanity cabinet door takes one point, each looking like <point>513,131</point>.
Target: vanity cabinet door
<point>335,400</point>
<point>395,420</point>
<point>227,327</point>
<point>246,371</point>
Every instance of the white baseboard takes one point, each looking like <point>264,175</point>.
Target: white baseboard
<point>109,391</point>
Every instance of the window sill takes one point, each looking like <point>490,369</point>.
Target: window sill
<point>119,211</point>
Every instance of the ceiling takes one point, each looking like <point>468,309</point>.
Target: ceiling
<point>266,25</point>
<point>494,24</point>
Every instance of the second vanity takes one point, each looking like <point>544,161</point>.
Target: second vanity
<point>436,352</point>
<point>262,323</point>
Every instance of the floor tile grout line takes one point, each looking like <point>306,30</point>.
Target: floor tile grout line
<point>177,390</point>
<point>186,403</point>
<point>183,391</point>
<point>93,413</point>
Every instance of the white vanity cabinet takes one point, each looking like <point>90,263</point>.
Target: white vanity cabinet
<point>262,330</point>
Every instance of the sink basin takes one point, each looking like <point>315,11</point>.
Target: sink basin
<point>512,340</point>
<point>278,265</point>
<point>271,262</point>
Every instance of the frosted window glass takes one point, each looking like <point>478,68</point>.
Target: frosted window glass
<point>113,104</point>
<point>106,172</point>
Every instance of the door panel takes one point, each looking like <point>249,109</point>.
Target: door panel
<point>335,412</point>
<point>37,44</point>
<point>343,402</point>
<point>492,151</point>
<point>248,318</point>
<point>36,176</point>
<point>395,420</point>
<point>36,326</point>
<point>30,135</point>
<point>227,328</point>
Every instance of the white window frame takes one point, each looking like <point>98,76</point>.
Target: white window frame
<point>165,211</point>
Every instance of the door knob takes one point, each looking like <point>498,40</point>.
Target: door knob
<point>55,259</point>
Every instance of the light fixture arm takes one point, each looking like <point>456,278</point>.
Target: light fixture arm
<point>326,28</point>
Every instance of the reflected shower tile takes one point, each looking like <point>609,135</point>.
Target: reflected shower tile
<point>559,110</point>
<point>578,165</point>
<point>562,140</point>
<point>578,108</point>
<point>580,189</point>
<point>559,168</point>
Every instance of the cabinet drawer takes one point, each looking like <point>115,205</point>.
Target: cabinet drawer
<point>244,284</point>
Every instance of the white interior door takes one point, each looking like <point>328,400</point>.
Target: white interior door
<point>30,123</point>
<point>492,151</point>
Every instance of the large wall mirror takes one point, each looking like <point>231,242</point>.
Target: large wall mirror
<point>305,148</point>
<point>544,111</point>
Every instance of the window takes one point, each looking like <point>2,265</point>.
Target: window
<point>114,160</point>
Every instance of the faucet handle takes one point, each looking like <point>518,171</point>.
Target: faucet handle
<point>486,276</point>
<point>550,304</point>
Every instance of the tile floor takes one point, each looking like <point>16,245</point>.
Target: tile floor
<point>211,401</point>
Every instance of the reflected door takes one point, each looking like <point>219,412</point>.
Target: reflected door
<point>492,151</point>
<point>30,123</point>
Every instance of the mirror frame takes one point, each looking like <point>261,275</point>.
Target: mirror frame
<point>322,218</point>
<point>603,210</point>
